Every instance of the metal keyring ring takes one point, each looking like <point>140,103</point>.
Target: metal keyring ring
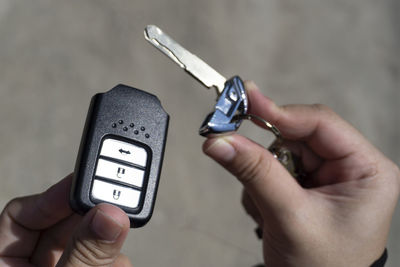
<point>270,127</point>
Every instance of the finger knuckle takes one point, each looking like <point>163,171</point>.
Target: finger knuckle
<point>252,168</point>
<point>11,203</point>
<point>321,108</point>
<point>397,172</point>
<point>387,178</point>
<point>324,112</point>
<point>43,208</point>
<point>88,252</point>
<point>10,206</point>
<point>122,261</point>
<point>396,178</point>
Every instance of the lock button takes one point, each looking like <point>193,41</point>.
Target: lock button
<point>116,194</point>
<point>119,172</point>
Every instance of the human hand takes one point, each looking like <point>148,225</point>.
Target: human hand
<point>41,230</point>
<point>342,217</point>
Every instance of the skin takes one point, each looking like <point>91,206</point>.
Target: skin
<point>342,217</point>
<point>41,230</point>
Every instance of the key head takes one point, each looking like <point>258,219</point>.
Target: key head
<point>231,102</point>
<point>121,153</point>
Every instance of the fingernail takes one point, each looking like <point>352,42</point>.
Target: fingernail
<point>105,227</point>
<point>221,150</point>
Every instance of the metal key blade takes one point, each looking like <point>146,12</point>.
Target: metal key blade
<point>186,60</point>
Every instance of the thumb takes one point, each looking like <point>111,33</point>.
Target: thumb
<point>267,182</point>
<point>98,239</point>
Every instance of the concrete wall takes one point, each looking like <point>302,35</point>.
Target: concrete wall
<point>54,55</point>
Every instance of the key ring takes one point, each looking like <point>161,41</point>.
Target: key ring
<point>270,127</point>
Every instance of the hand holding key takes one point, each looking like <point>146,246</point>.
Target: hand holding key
<point>41,230</point>
<point>343,216</point>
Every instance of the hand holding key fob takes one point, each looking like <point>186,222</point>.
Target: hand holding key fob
<point>121,153</point>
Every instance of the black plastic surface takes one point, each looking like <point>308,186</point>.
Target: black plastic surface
<point>130,115</point>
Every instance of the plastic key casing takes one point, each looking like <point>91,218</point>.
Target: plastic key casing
<point>121,153</point>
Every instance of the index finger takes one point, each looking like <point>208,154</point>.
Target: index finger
<point>328,135</point>
<point>23,218</point>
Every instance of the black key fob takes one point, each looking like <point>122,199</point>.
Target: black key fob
<point>121,153</point>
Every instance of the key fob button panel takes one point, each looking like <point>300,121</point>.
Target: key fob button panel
<point>116,194</point>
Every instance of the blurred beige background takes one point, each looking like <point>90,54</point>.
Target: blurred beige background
<point>54,55</point>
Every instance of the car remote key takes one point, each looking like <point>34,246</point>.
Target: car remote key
<point>121,153</point>
<point>232,103</point>
<point>232,99</point>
